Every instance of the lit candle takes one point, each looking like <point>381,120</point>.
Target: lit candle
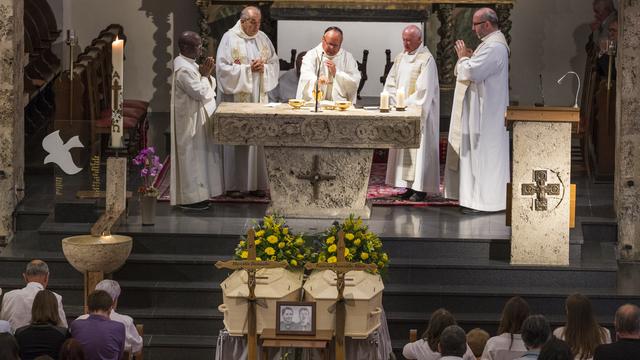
<point>400,99</point>
<point>117,87</point>
<point>384,101</point>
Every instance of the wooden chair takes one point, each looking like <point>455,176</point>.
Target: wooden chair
<point>288,65</point>
<point>362,67</point>
<point>387,66</point>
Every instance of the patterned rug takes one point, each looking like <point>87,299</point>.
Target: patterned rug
<point>379,193</point>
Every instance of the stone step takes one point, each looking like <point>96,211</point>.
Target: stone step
<point>443,271</point>
<point>179,347</point>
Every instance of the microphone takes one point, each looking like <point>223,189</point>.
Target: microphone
<point>575,104</point>
<point>317,80</point>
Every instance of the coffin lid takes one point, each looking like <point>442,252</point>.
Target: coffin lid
<point>360,285</point>
<point>270,283</point>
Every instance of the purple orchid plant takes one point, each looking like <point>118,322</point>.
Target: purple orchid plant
<point>151,167</point>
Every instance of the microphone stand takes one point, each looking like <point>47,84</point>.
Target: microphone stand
<point>316,96</point>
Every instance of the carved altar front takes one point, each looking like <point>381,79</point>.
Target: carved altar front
<point>318,163</point>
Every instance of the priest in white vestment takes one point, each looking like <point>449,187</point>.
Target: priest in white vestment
<point>477,169</point>
<point>338,75</point>
<point>196,162</point>
<point>247,68</point>
<point>415,76</point>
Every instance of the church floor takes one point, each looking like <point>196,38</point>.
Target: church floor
<point>439,258</point>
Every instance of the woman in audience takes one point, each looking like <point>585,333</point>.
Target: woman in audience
<point>44,336</point>
<point>71,350</point>
<point>582,332</point>
<point>8,347</point>
<point>555,349</point>
<point>427,347</point>
<point>508,344</point>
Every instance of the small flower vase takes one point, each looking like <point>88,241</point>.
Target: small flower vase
<point>148,209</point>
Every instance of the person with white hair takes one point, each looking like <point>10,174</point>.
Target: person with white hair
<point>16,304</point>
<point>133,340</point>
<point>414,73</point>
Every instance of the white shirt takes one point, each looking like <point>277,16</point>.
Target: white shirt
<point>16,306</point>
<point>420,350</point>
<point>501,347</point>
<point>133,340</point>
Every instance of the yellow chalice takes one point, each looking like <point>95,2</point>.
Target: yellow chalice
<point>296,103</point>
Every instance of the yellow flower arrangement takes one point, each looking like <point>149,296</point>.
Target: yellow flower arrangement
<point>361,245</point>
<point>277,242</point>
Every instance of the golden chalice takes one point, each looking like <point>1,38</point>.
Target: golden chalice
<point>296,103</point>
<point>343,104</point>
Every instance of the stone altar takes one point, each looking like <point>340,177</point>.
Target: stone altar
<point>540,192</point>
<point>318,163</point>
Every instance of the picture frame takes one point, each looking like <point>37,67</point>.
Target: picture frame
<point>295,318</point>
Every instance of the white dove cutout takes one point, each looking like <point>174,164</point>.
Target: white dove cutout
<point>59,152</point>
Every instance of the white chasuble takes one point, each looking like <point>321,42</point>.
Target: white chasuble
<point>244,165</point>
<point>477,168</point>
<point>196,162</point>
<point>417,74</point>
<point>342,86</point>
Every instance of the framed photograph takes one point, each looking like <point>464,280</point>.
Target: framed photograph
<point>295,318</point>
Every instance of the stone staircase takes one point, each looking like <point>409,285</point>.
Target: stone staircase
<point>171,286</point>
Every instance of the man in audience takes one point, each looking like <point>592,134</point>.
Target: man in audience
<point>16,304</point>
<point>453,343</point>
<point>535,333</point>
<point>477,339</point>
<point>627,324</point>
<point>133,341</point>
<point>100,337</point>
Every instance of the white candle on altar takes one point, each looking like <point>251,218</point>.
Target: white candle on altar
<point>384,100</point>
<point>400,99</point>
<point>117,91</point>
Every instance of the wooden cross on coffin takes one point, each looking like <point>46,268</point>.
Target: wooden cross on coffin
<point>251,266</point>
<point>340,267</point>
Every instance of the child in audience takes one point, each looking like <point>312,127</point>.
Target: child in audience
<point>508,344</point>
<point>555,349</point>
<point>581,332</point>
<point>477,339</point>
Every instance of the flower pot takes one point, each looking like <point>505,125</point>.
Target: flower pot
<point>148,209</point>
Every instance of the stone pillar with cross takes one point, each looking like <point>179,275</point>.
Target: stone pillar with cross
<point>251,266</point>
<point>541,190</point>
<point>341,267</point>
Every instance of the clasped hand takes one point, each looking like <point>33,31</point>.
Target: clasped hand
<point>207,67</point>
<point>257,65</point>
<point>462,50</point>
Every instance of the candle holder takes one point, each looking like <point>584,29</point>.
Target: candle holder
<point>384,110</point>
<point>401,108</point>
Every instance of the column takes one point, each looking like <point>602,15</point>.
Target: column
<point>11,113</point>
<point>627,172</point>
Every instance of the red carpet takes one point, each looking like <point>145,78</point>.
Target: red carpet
<point>379,193</point>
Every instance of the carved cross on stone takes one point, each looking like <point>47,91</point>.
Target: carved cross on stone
<point>540,189</point>
<point>315,177</point>
<point>251,266</point>
<point>340,267</point>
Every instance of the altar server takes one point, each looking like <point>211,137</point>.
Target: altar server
<point>477,169</point>
<point>196,163</point>
<point>338,77</point>
<point>247,67</point>
<point>413,80</point>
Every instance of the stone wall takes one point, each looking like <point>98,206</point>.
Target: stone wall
<point>627,176</point>
<point>11,112</point>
